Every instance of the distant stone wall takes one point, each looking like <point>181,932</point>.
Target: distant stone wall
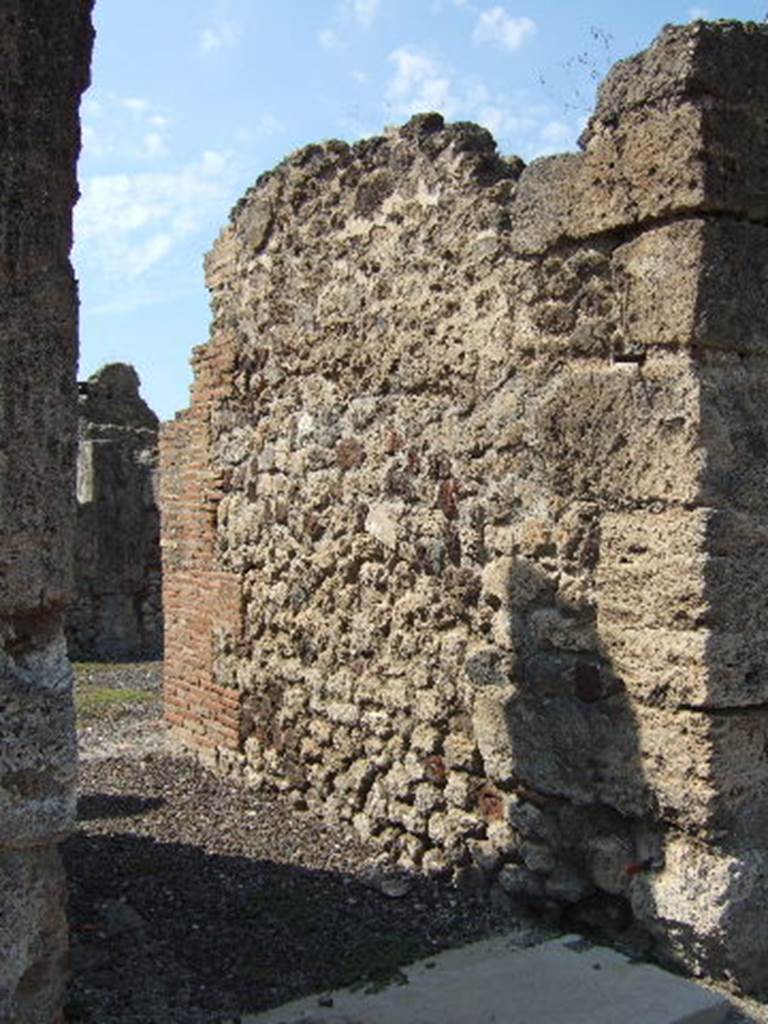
<point>45,55</point>
<point>463,531</point>
<point>118,613</point>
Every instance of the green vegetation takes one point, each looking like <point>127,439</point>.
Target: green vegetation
<point>107,701</point>
<point>101,691</point>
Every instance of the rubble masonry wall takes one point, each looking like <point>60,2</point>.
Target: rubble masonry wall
<point>464,529</point>
<point>118,612</point>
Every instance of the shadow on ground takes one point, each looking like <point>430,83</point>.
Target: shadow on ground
<point>169,932</point>
<point>110,805</point>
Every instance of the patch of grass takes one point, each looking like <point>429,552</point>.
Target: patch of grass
<point>86,667</point>
<point>107,701</point>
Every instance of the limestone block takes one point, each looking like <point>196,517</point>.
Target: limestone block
<point>33,939</point>
<point>671,125</point>
<point>650,165</point>
<point>732,304</point>
<point>658,279</point>
<point>717,895</point>
<point>701,573</point>
<point>627,756</point>
<point>698,668</point>
<point>687,283</point>
<point>620,433</point>
<point>37,452</point>
<point>38,759</point>
<point>608,859</point>
<point>542,203</point>
<point>734,427</point>
<point>652,569</point>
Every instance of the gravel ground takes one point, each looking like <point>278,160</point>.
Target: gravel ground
<point>193,900</point>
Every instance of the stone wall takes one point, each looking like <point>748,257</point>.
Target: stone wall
<point>118,613</point>
<point>463,531</point>
<point>45,55</point>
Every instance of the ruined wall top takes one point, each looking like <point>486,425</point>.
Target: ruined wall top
<point>111,396</point>
<point>670,127</point>
<point>721,60</point>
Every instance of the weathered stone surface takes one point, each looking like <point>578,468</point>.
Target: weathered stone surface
<point>671,127</point>
<point>476,455</point>
<point>118,612</point>
<point>45,55</point>
<point>33,939</point>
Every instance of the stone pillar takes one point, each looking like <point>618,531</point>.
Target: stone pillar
<point>118,612</point>
<point>45,54</point>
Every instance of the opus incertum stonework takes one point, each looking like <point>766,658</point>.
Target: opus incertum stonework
<point>118,611</point>
<point>465,527</point>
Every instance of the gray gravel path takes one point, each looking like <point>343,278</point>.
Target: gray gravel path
<point>194,899</point>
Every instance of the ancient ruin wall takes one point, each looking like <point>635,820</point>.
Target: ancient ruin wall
<point>118,612</point>
<point>45,54</point>
<point>464,527</point>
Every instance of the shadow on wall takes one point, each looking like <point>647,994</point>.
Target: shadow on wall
<point>564,732</point>
<point>632,801</point>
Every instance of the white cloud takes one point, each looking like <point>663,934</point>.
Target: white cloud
<point>420,83</point>
<point>497,27</point>
<point>127,223</point>
<point>134,104</point>
<point>364,11</point>
<point>494,119</point>
<point>557,131</point>
<point>360,77</point>
<point>556,136</point>
<point>270,125</point>
<point>329,39</point>
<point>694,13</point>
<point>123,127</point>
<point>153,146</point>
<point>219,37</point>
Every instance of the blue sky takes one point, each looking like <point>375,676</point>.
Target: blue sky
<point>192,99</point>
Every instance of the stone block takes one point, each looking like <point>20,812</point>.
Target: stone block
<point>696,668</point>
<point>699,770</point>
<point>618,433</point>
<point>734,432</point>
<point>649,165</point>
<point>715,894</point>
<point>38,759</point>
<point>33,939</point>
<point>652,568</point>
<point>658,281</point>
<point>672,124</point>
